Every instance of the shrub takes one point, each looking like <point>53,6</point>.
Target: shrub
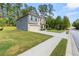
<point>2,22</point>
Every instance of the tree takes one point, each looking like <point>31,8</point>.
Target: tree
<point>2,7</point>
<point>25,6</point>
<point>43,13</point>
<point>66,22</point>
<point>24,11</point>
<point>28,10</point>
<point>18,9</point>
<point>50,9</point>
<point>58,22</point>
<point>9,13</point>
<point>43,10</point>
<point>7,7</point>
<point>76,24</point>
<point>49,22</point>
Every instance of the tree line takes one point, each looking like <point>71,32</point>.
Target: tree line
<point>57,23</point>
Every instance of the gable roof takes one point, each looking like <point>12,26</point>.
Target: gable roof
<point>22,17</point>
<point>32,13</point>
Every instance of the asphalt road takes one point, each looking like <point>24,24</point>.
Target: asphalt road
<point>75,35</point>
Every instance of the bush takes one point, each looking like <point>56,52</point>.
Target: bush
<point>10,21</point>
<point>2,22</point>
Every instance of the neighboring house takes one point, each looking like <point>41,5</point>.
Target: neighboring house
<point>31,23</point>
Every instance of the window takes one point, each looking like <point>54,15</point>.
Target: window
<point>31,17</point>
<point>35,19</point>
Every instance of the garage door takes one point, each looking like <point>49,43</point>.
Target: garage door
<point>33,27</point>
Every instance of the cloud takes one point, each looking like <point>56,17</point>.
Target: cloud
<point>73,5</point>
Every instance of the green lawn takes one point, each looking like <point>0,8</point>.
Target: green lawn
<point>14,42</point>
<point>57,31</point>
<point>60,49</point>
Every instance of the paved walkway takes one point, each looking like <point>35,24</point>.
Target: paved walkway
<point>45,48</point>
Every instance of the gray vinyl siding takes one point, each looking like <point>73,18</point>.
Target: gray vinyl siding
<point>22,24</point>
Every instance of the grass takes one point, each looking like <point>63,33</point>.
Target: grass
<point>60,49</point>
<point>14,42</point>
<point>57,31</point>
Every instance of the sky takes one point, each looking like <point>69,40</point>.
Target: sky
<point>63,9</point>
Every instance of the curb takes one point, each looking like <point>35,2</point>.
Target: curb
<point>69,48</point>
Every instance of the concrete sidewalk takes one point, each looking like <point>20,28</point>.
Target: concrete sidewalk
<point>69,46</point>
<point>45,48</point>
